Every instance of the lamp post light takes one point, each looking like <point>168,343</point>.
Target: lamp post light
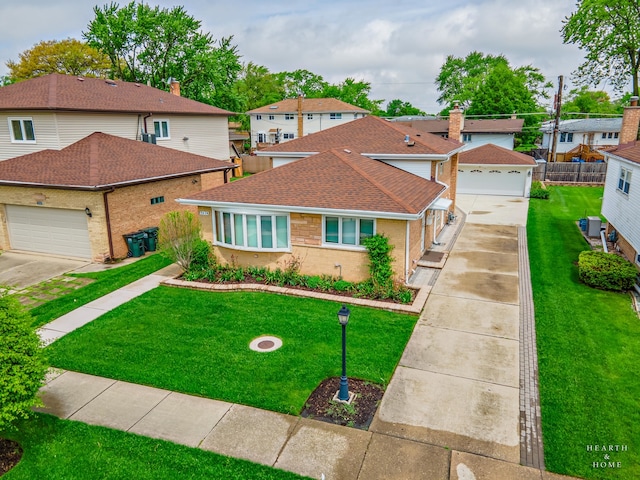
<point>343,317</point>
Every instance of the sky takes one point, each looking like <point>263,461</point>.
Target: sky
<point>398,46</point>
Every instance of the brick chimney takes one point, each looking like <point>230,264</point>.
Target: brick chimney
<point>300,119</point>
<point>456,122</point>
<point>174,87</point>
<point>630,122</point>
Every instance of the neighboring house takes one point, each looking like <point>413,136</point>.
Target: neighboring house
<point>318,210</point>
<point>494,170</point>
<point>473,133</point>
<point>621,199</point>
<point>54,111</point>
<point>593,132</point>
<point>296,117</point>
<point>79,201</point>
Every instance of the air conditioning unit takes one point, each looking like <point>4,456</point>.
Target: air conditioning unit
<point>593,226</point>
<point>149,137</point>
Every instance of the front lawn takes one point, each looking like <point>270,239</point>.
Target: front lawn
<point>198,343</point>
<point>104,282</point>
<point>588,348</point>
<point>64,450</point>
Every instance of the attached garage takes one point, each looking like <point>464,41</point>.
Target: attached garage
<point>494,170</point>
<point>48,230</point>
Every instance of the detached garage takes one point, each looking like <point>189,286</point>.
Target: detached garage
<point>493,170</point>
<point>80,201</point>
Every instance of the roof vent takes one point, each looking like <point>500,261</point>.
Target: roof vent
<point>406,139</point>
<point>410,144</point>
<point>110,83</point>
<point>80,79</point>
<point>273,107</point>
<point>347,151</point>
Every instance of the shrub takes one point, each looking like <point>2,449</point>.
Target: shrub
<point>606,271</point>
<point>202,256</point>
<point>380,260</point>
<point>178,235</point>
<point>22,363</point>
<point>538,192</point>
<point>342,286</point>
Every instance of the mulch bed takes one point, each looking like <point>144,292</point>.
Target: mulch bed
<point>320,405</point>
<point>10,455</point>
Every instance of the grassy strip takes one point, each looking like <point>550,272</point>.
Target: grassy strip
<point>105,282</point>
<point>64,450</point>
<point>588,347</point>
<point>198,343</point>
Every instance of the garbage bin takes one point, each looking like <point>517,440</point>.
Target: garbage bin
<point>583,224</point>
<point>150,238</point>
<point>135,244</point>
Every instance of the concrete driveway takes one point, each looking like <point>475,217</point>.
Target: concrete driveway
<point>494,209</point>
<point>457,384</point>
<point>20,270</point>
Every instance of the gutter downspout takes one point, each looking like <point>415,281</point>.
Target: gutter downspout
<point>144,120</point>
<point>435,240</point>
<point>106,213</point>
<point>406,255</point>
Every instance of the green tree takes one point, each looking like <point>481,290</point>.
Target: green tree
<point>609,32</point>
<point>146,44</point>
<point>22,364</point>
<point>504,91</point>
<point>590,103</point>
<point>256,87</point>
<point>69,57</point>
<point>354,93</point>
<point>179,237</point>
<point>302,82</point>
<point>398,108</point>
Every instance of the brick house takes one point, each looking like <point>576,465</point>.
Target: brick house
<point>319,209</point>
<point>80,200</point>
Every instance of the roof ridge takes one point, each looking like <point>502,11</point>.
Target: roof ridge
<point>366,175</point>
<point>417,137</point>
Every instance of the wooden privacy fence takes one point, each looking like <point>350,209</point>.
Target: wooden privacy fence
<point>571,172</point>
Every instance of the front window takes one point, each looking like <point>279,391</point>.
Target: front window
<point>289,136</point>
<point>289,116</point>
<point>335,116</point>
<point>347,230</point>
<point>624,182</point>
<point>22,130</point>
<point>161,128</point>
<point>566,137</point>
<point>252,231</point>
<point>466,137</point>
<point>309,116</point>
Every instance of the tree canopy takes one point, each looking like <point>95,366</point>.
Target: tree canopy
<point>154,45</point>
<point>582,102</point>
<point>69,57</point>
<point>398,108</point>
<point>609,33</point>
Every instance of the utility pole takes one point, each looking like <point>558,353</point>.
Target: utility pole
<point>558,102</point>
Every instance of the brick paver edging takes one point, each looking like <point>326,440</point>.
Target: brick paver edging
<point>531,448</point>
<point>415,308</point>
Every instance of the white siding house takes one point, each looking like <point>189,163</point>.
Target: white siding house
<point>596,132</point>
<point>292,118</point>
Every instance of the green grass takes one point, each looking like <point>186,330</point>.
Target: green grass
<point>588,346</point>
<point>104,282</point>
<point>198,343</point>
<point>64,450</point>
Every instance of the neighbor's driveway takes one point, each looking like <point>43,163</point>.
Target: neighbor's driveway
<point>20,270</point>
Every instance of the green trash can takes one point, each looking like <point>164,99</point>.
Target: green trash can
<point>150,238</point>
<point>135,244</point>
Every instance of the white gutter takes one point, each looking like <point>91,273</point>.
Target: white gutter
<point>294,208</point>
<point>406,255</point>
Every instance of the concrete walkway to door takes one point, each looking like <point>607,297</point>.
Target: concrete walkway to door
<point>458,382</point>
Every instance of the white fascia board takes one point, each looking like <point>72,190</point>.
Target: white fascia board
<point>244,207</point>
<point>621,159</point>
<point>263,153</point>
<point>493,165</point>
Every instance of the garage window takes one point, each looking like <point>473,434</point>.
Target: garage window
<point>22,130</point>
<point>156,200</point>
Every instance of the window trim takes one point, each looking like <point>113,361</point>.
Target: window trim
<point>22,129</point>
<point>566,137</point>
<point>624,180</point>
<point>218,230</point>
<point>466,137</point>
<point>335,116</point>
<point>258,117</point>
<point>160,121</point>
<point>345,246</point>
<point>289,116</point>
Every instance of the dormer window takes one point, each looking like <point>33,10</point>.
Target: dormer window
<point>22,130</point>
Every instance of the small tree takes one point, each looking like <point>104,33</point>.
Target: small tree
<point>178,237</point>
<point>22,363</point>
<point>380,261</point>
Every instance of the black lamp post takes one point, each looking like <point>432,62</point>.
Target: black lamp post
<point>343,317</point>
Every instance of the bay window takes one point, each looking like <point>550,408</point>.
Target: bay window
<point>252,231</point>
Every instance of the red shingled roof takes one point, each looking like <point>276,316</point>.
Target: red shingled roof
<point>65,92</point>
<point>309,105</point>
<point>103,160</point>
<point>629,151</point>
<point>338,179</point>
<point>370,135</point>
<point>494,155</point>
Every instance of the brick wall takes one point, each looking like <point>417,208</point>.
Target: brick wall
<point>625,247</point>
<point>306,229</point>
<point>415,243</point>
<point>630,124</point>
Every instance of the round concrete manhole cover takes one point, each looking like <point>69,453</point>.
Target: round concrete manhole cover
<point>265,344</point>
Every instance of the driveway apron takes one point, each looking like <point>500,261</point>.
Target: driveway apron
<point>457,384</point>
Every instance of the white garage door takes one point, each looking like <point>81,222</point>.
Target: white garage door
<point>48,230</point>
<point>491,181</point>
